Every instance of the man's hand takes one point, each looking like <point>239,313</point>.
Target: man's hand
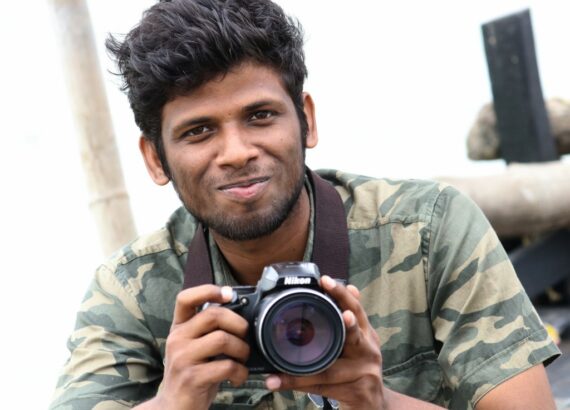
<point>191,378</point>
<point>355,379</point>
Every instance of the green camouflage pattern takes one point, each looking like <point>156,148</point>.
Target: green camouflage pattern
<point>452,317</point>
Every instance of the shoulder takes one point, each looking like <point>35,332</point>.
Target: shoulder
<point>141,280</point>
<point>372,201</point>
<point>146,274</point>
<point>169,241</point>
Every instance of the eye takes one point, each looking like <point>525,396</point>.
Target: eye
<point>196,132</point>
<point>262,115</point>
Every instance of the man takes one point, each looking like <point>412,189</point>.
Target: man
<point>434,314</point>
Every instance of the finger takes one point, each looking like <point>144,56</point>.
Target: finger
<point>218,371</point>
<point>345,299</point>
<point>350,392</point>
<point>339,373</point>
<point>353,336</point>
<point>182,354</point>
<point>354,291</point>
<point>216,344</point>
<point>211,319</point>
<point>349,320</point>
<point>190,299</point>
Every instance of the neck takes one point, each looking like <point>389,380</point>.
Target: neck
<point>287,243</point>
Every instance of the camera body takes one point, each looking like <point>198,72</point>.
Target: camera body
<point>294,327</point>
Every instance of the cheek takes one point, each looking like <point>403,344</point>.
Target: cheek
<point>188,163</point>
<point>295,152</point>
<point>185,176</point>
<point>289,144</point>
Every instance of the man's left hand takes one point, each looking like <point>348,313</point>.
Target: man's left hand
<point>355,379</point>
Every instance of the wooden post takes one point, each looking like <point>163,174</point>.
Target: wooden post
<point>522,121</point>
<point>109,201</point>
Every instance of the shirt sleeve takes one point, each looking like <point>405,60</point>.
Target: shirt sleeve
<point>485,327</point>
<point>114,361</point>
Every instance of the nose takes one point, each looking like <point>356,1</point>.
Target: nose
<point>236,148</point>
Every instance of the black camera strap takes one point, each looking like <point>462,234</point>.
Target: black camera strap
<point>330,249</point>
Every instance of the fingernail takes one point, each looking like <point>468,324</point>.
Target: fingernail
<point>329,282</point>
<point>273,382</point>
<point>227,293</point>
<point>350,318</point>
<point>354,290</point>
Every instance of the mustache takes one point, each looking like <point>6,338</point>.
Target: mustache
<point>247,172</point>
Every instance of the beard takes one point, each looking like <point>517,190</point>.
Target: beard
<point>255,224</point>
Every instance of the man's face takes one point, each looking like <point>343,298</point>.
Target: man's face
<point>235,153</point>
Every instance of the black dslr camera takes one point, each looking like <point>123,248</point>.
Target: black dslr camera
<point>294,327</point>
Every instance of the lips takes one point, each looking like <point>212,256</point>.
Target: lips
<point>246,189</point>
<point>244,183</point>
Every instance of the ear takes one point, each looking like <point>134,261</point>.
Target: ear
<point>152,161</point>
<point>309,108</point>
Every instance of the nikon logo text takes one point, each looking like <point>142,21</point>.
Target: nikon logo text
<point>294,280</point>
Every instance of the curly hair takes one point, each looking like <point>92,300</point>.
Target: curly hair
<point>180,45</point>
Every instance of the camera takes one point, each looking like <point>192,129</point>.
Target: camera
<point>294,327</point>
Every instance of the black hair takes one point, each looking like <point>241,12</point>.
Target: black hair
<point>180,45</point>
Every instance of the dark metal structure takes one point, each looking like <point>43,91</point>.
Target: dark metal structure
<point>525,136</point>
<point>522,121</point>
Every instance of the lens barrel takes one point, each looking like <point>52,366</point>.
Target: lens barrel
<point>300,331</point>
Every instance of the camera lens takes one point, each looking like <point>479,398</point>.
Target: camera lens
<point>302,332</point>
<point>299,332</point>
<point>293,330</point>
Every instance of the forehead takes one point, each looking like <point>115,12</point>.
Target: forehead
<point>242,82</point>
<point>245,76</point>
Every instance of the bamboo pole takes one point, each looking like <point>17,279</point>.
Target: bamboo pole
<point>108,198</point>
<point>526,199</point>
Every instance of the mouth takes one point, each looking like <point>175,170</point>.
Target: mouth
<point>246,189</point>
<point>244,183</point>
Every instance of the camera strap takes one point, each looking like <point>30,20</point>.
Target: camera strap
<point>330,248</point>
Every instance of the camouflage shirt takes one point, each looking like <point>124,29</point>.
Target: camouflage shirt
<point>437,285</point>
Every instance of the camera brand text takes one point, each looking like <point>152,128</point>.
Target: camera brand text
<point>294,280</point>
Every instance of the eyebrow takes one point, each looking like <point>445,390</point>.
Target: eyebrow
<point>258,104</point>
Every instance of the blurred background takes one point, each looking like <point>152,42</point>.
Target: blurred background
<point>397,87</point>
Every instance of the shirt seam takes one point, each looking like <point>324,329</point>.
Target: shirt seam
<point>427,241</point>
<point>147,251</point>
<point>424,216</point>
<point>166,242</point>
<point>428,354</point>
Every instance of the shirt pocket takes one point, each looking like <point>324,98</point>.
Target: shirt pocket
<point>419,377</point>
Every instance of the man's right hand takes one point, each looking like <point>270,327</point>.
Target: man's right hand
<point>191,377</point>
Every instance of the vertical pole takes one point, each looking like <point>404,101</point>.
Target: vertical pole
<point>109,201</point>
<point>524,132</point>
<point>522,121</point>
